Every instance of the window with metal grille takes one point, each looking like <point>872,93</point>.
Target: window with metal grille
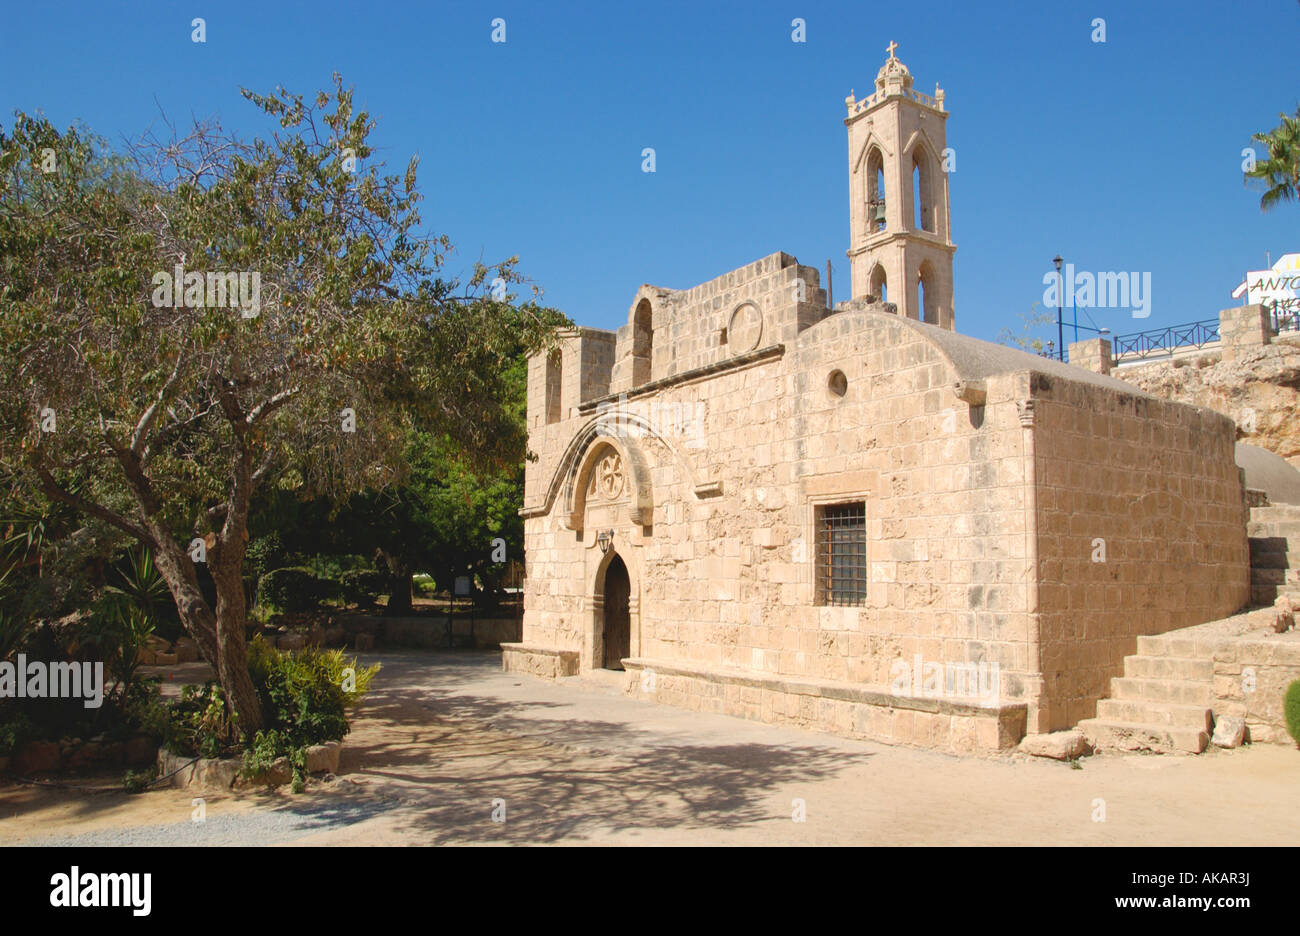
<point>842,554</point>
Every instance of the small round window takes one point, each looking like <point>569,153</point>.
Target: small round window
<point>837,383</point>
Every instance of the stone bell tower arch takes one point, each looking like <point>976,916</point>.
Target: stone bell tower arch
<point>901,248</point>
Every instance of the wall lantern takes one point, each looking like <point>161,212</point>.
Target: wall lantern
<point>604,539</point>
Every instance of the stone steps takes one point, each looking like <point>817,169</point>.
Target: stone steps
<point>1176,691</point>
<point>1128,737</point>
<point>1155,712</point>
<point>1274,536</point>
<point>1277,513</point>
<point>1162,703</point>
<point>1270,530</point>
<point>1161,667</point>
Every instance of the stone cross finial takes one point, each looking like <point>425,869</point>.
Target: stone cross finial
<point>892,46</point>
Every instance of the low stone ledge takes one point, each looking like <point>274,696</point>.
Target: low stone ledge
<point>37,757</point>
<point>366,631</point>
<point>536,660</point>
<point>839,708</point>
<point>213,773</point>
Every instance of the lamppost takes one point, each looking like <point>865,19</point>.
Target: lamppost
<point>1060,328</point>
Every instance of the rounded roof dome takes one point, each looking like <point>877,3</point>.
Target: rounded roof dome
<point>894,68</point>
<point>1269,472</point>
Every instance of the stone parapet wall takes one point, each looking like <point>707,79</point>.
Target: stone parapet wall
<point>1093,354</point>
<point>1243,328</point>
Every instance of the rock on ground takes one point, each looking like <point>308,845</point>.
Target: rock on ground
<point>1061,745</point>
<point>1229,732</point>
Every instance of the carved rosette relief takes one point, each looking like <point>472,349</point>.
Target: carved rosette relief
<point>608,478</point>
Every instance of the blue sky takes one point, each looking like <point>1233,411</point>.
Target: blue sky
<point>1122,156</point>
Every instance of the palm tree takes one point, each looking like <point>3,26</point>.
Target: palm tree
<point>1279,174</point>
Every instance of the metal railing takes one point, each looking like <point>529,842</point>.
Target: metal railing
<point>1285,316</point>
<point>1165,340</point>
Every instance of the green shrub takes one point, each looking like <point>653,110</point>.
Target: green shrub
<point>424,585</point>
<point>290,589</point>
<point>304,698</point>
<point>304,694</point>
<point>16,729</point>
<point>137,781</point>
<point>265,554</point>
<point>199,725</point>
<point>363,587</point>
<point>1291,706</point>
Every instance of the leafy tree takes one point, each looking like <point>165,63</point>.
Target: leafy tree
<point>160,414</point>
<point>441,520</point>
<point>1025,338</point>
<point>1279,173</point>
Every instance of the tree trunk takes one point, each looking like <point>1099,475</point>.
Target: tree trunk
<point>232,650</point>
<point>227,566</point>
<point>399,586</point>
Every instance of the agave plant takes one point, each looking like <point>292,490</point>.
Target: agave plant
<point>14,628</point>
<point>118,631</point>
<point>143,585</point>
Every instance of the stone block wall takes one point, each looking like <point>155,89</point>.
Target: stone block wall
<point>763,303</point>
<point>986,485</point>
<point>1093,354</point>
<point>1242,328</point>
<point>727,580</point>
<point>1141,530</point>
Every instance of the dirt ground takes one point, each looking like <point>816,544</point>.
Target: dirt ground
<point>448,749</point>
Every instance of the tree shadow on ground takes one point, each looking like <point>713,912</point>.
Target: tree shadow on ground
<point>455,759</point>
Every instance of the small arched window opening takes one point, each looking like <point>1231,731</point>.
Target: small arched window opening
<point>643,340</point>
<point>554,383</point>
<point>927,298</point>
<point>875,191</point>
<point>879,285</point>
<point>922,196</point>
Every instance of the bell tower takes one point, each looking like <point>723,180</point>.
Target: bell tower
<point>901,248</point>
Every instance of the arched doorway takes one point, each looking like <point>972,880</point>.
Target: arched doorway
<point>618,622</point>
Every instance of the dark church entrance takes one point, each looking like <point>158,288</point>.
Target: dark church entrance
<point>618,628</point>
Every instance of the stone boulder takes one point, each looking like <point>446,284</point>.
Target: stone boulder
<point>1059,745</point>
<point>216,773</point>
<point>335,636</point>
<point>324,758</point>
<point>1229,732</point>
<point>37,757</point>
<point>1283,614</point>
<point>186,650</point>
<point>84,755</point>
<point>139,750</point>
<point>278,774</point>
<point>363,642</point>
<point>291,642</point>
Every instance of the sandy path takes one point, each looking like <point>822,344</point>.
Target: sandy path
<point>445,740</point>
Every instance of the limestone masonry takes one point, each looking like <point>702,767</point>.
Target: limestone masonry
<point>857,519</point>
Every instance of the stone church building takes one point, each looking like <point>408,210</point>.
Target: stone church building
<point>854,518</point>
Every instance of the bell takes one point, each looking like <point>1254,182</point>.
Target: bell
<point>880,211</point>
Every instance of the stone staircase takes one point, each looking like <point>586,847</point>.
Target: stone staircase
<point>1274,532</point>
<point>1162,702</point>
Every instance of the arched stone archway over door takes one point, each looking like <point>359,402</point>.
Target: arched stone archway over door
<point>616,629</point>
